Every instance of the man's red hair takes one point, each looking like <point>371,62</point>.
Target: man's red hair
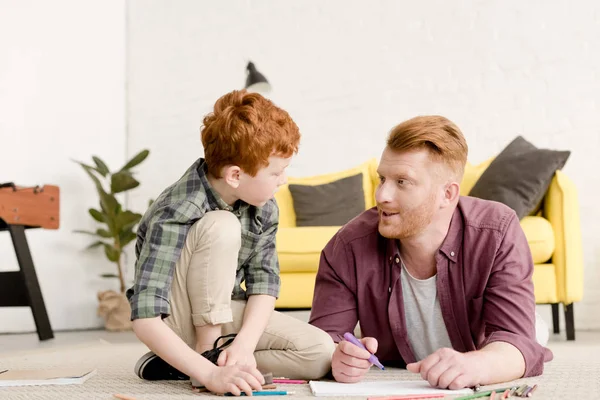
<point>437,134</point>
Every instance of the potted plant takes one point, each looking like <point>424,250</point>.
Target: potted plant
<point>117,232</point>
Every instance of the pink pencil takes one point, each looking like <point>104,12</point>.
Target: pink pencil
<point>289,381</point>
<point>409,397</point>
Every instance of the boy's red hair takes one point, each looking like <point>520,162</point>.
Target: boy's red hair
<point>244,130</point>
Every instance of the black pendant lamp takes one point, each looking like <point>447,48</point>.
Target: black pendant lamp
<point>255,81</point>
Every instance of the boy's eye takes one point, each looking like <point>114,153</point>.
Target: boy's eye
<point>401,181</point>
<point>381,179</point>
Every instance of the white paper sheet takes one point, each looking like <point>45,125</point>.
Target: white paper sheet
<point>378,388</point>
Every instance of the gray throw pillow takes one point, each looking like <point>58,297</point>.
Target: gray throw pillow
<point>520,176</point>
<point>330,204</point>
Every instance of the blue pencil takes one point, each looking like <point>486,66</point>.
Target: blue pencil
<point>265,393</point>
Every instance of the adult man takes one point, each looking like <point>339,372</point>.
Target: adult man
<point>440,283</point>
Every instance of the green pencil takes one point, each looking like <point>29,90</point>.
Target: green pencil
<point>483,394</point>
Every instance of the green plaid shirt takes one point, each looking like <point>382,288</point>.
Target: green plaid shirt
<point>163,230</point>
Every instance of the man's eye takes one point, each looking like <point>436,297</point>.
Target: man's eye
<point>381,179</point>
<point>401,182</point>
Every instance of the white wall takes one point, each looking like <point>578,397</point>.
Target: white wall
<point>347,71</point>
<point>62,96</point>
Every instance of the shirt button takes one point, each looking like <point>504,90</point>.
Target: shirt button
<point>452,253</point>
<point>397,260</point>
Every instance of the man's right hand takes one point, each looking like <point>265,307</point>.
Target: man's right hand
<point>350,363</point>
<point>234,379</point>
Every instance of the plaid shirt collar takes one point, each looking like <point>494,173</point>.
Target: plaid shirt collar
<point>213,199</point>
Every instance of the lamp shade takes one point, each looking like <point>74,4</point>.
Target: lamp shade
<point>255,81</point>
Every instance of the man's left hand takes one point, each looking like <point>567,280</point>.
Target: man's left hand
<point>237,353</point>
<point>449,369</point>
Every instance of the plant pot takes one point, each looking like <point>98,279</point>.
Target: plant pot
<point>115,309</point>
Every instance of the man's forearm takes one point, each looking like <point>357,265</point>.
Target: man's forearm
<point>503,362</point>
<point>256,316</point>
<point>159,338</point>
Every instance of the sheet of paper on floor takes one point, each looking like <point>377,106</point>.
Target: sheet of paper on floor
<point>378,388</point>
<point>56,376</point>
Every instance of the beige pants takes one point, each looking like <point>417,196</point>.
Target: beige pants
<point>201,294</point>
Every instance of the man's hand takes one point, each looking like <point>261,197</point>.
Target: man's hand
<point>234,379</point>
<point>447,368</point>
<point>238,353</point>
<point>350,363</point>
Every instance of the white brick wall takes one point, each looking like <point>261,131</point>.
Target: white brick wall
<point>62,96</point>
<point>347,71</point>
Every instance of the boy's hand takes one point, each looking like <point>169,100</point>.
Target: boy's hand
<point>238,353</point>
<point>234,379</point>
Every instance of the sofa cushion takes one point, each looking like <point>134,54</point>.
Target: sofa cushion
<point>330,204</point>
<point>519,176</point>
<point>540,236</point>
<point>287,217</point>
<point>299,249</point>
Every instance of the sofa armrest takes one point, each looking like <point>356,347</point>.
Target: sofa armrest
<point>561,208</point>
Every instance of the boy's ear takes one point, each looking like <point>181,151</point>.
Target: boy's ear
<point>231,175</point>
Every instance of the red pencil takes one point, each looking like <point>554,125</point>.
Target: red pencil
<point>410,397</point>
<point>289,381</point>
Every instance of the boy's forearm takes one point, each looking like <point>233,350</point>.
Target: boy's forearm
<point>159,338</point>
<point>503,362</point>
<point>256,316</point>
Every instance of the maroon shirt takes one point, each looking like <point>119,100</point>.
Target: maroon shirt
<point>484,285</point>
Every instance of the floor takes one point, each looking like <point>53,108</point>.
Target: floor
<point>573,374</point>
<point>29,341</point>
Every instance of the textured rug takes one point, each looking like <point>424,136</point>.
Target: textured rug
<point>574,374</point>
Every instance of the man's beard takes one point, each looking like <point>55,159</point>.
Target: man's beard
<point>408,223</point>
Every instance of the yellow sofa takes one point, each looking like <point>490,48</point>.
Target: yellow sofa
<point>554,237</point>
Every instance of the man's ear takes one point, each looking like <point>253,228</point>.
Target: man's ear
<point>451,194</point>
<point>231,175</point>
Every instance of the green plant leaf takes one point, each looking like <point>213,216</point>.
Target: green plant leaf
<point>127,237</point>
<point>138,158</point>
<point>88,169</point>
<point>101,167</point>
<point>122,181</point>
<point>109,204</point>
<point>104,233</point>
<point>111,253</point>
<point>126,220</point>
<point>97,215</point>
<point>96,244</point>
<point>109,276</point>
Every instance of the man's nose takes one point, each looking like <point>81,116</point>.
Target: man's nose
<point>383,194</point>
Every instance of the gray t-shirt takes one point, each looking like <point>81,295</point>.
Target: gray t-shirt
<point>424,323</point>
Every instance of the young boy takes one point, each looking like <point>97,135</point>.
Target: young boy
<point>205,234</point>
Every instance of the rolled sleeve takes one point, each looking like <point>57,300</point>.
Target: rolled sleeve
<point>334,307</point>
<point>261,273</point>
<point>164,240</point>
<point>509,307</point>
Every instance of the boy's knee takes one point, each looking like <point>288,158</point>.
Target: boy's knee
<point>319,362</point>
<point>221,227</point>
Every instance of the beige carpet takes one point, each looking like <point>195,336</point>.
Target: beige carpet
<point>574,374</point>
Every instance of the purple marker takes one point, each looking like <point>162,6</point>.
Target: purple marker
<point>373,359</point>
